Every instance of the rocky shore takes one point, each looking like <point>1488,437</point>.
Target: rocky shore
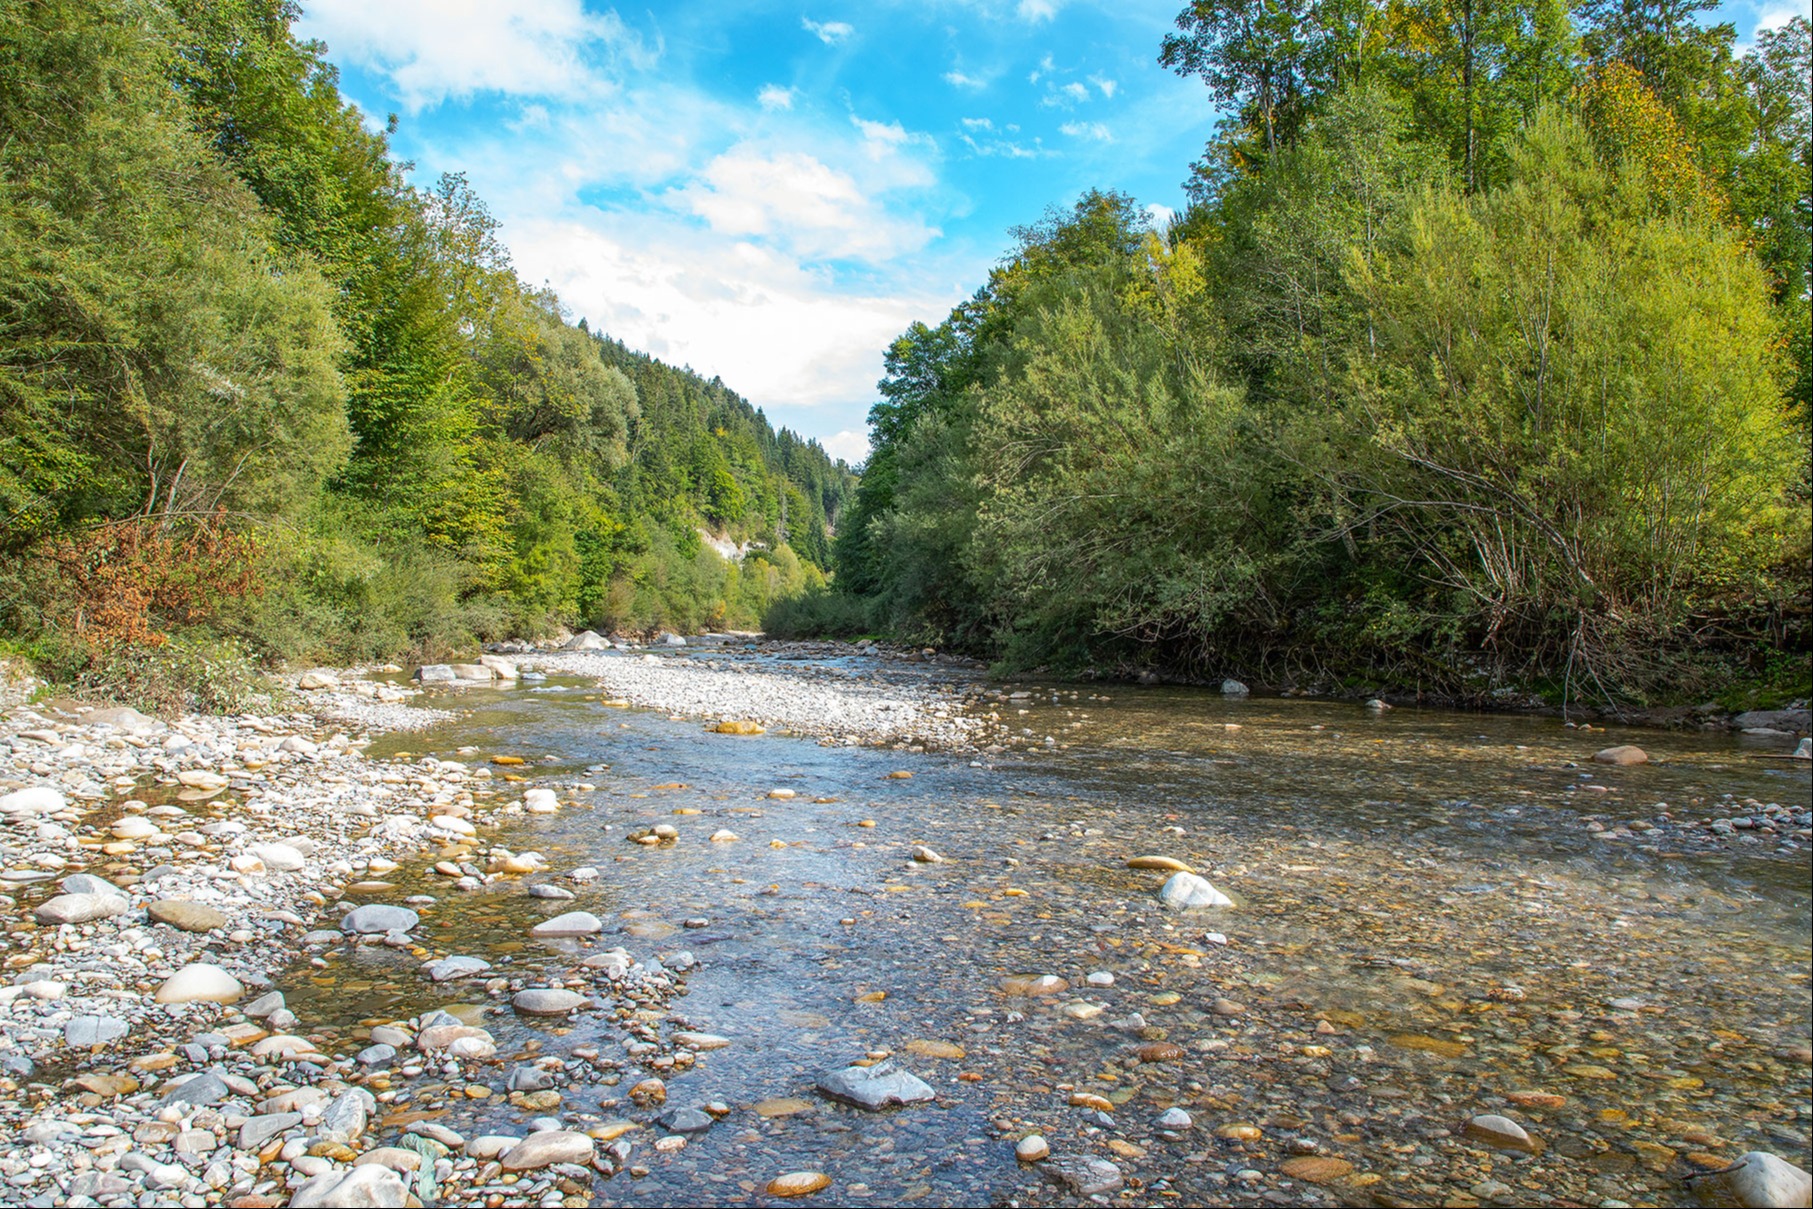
<point>849,704</point>
<point>157,878</point>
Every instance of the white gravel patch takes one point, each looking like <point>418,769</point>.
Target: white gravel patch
<point>838,705</point>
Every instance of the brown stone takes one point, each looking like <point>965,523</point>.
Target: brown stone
<point>187,916</point>
<point>1432,1045</point>
<point>798,1183</point>
<point>1316,1169</point>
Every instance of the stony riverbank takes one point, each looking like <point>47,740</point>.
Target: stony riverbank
<point>164,875</point>
<point>156,877</point>
<point>848,704</point>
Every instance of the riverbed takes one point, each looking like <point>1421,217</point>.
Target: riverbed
<point>1436,916</point>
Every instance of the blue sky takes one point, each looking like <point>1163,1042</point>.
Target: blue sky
<point>770,192</point>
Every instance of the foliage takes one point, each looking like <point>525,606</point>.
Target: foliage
<point>256,382</point>
<point>1466,367</point>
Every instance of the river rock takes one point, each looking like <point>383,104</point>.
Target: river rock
<point>501,668</point>
<point>448,968</point>
<point>1622,755</point>
<point>547,1147</point>
<point>546,1001</point>
<point>187,916</point>
<point>700,1041</point>
<point>434,673</point>
<point>200,982</point>
<point>375,918</point>
<point>573,923</point>
<point>585,640</point>
<point>1166,863</point>
<point>685,1120</point>
<point>279,858</point>
<point>88,883</point>
<point>346,1115</point>
<point>926,856</point>
<point>1789,721</point>
<point>1084,1176</point>
<point>80,908</point>
<point>1760,1180</point>
<point>39,799</point>
<point>261,1129</point>
<point>133,827</point>
<point>1233,688</point>
<point>371,1186</point>
<point>1502,1132</point>
<point>874,1087</point>
<point>798,1183</point>
<point>203,1090</point>
<point>85,1032</point>
<point>1032,1148</point>
<point>120,717</point>
<point>1188,892</point>
<point>201,778</point>
<point>447,1036</point>
<point>318,679</point>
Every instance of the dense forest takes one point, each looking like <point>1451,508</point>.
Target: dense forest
<point>1478,363</point>
<point>262,396</point>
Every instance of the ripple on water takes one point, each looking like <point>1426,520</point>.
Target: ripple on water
<point>1425,934</point>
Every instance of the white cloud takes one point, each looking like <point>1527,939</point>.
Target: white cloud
<point>828,32</point>
<point>1107,86</point>
<point>793,202</point>
<point>1087,130</point>
<point>1159,216</point>
<point>773,96</point>
<point>436,49</point>
<point>1006,148</point>
<point>957,79</point>
<point>884,141</point>
<point>1037,10</point>
<point>892,133</point>
<point>1045,68</point>
<point>978,124</point>
<point>850,445</point>
<point>1776,15</point>
<point>770,327</point>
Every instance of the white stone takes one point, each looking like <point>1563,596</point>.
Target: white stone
<point>278,858</point>
<point>546,1001</point>
<point>39,799</point>
<point>548,1147</point>
<point>80,908</point>
<point>371,1186</point>
<point>1760,1180</point>
<point>573,923</point>
<point>1188,892</point>
<point>200,982</point>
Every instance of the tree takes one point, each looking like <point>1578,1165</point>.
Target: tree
<point>159,355</point>
<point>1254,54</point>
<point>1573,405</point>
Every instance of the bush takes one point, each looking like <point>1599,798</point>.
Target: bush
<point>823,613</point>
<point>191,673</point>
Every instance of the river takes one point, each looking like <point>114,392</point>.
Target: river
<point>1437,915</point>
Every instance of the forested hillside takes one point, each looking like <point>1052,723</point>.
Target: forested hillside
<point>1479,363</point>
<point>257,384</point>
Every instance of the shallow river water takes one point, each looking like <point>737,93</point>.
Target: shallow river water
<point>1426,929</point>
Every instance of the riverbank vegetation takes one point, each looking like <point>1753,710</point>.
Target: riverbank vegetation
<point>1478,364</point>
<point>263,392</point>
